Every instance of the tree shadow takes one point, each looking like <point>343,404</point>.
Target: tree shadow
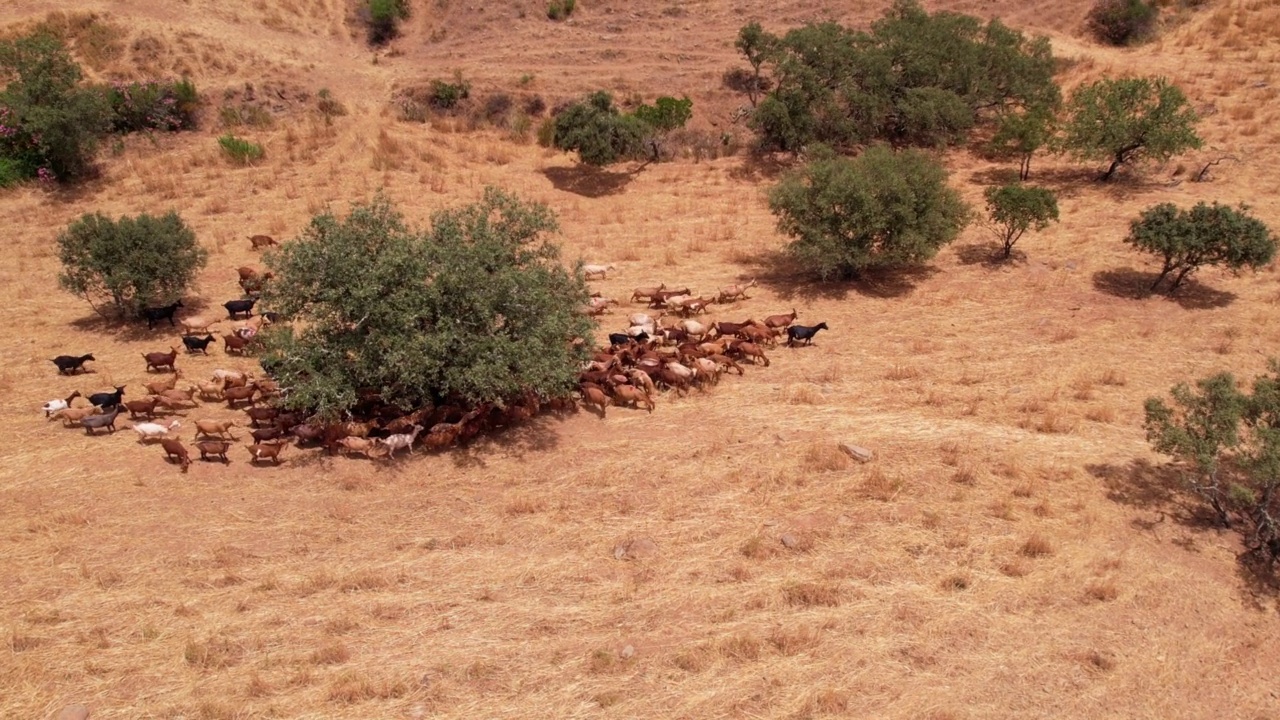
<point>589,181</point>
<point>988,254</point>
<point>134,329</point>
<point>790,281</point>
<point>1133,284</point>
<point>759,166</point>
<point>539,435</point>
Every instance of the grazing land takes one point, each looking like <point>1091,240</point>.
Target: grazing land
<point>1011,551</point>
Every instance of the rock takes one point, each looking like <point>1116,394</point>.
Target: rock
<point>74,712</point>
<point>627,652</point>
<point>790,541</point>
<point>635,549</point>
<point>857,452</point>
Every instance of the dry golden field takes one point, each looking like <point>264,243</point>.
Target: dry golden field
<point>1008,554</point>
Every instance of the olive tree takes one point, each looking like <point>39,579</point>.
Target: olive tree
<point>1186,240</point>
<point>599,132</point>
<point>1014,209</point>
<point>477,306</point>
<point>121,266</point>
<point>1123,120</point>
<point>880,209</point>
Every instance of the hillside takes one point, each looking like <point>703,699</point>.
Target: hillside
<point>1010,552</point>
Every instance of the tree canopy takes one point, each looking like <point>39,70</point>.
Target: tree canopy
<point>880,209</point>
<point>476,307</point>
<point>1014,209</point>
<point>1216,235</point>
<point>914,78</point>
<point>1123,120</point>
<point>130,263</point>
<point>602,134</point>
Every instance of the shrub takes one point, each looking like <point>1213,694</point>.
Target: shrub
<point>446,96</point>
<point>1014,209</point>
<point>384,19</point>
<point>329,106</point>
<point>880,209</point>
<point>599,133</point>
<point>1122,22</point>
<point>1127,119</point>
<point>239,150</point>
<point>1204,235</point>
<point>560,9</point>
<point>49,122</point>
<point>1020,133</point>
<point>142,106</point>
<point>488,320</point>
<point>1230,441</point>
<point>129,263</point>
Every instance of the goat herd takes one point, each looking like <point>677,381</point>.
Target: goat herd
<point>671,349</point>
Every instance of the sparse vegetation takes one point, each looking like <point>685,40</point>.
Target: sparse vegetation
<point>1125,120</point>
<point>1123,22</point>
<point>1014,209</point>
<point>882,209</point>
<point>561,9</point>
<point>121,266</point>
<point>142,106</point>
<point>384,19</point>
<point>1214,235</point>
<point>240,151</point>
<point>446,96</point>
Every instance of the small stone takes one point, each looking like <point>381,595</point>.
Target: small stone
<point>635,549</point>
<point>790,541</point>
<point>74,712</point>
<point>628,652</point>
<point>857,452</point>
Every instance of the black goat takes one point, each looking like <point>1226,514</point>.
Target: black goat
<point>161,313</point>
<point>271,316</point>
<point>800,332</point>
<point>236,307</point>
<point>617,339</point>
<point>71,364</point>
<point>197,344</point>
<point>107,399</point>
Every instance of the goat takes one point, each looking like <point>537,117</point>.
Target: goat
<point>215,448</point>
<point>592,272</point>
<point>96,422</point>
<point>661,297</point>
<point>145,407</point>
<point>234,395</point>
<point>647,293</point>
<point>175,449</point>
<point>259,415</point>
<point>694,328</point>
<point>304,432</point>
<point>104,399</point>
<point>72,364</point>
<point>260,241</point>
<point>402,440</point>
<point>54,406</point>
<point>234,343</point>
<point>641,379</point>
<point>751,350</point>
<point>231,377</point>
<point>237,307</point>
<point>155,387</point>
<point>154,431</point>
<point>619,339</point>
<point>272,433</point>
<point>176,399</point>
<point>159,360</point>
<point>161,313</point>
<point>210,390</point>
<point>632,395</point>
<point>731,293</point>
<point>194,343</point>
<point>780,321</point>
<point>74,416</point>
<point>265,451</point>
<point>195,325</point>
<point>215,428</point>
<point>801,333</point>
<point>695,305</point>
<point>593,395</point>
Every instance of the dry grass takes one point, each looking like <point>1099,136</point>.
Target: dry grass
<point>1002,405</point>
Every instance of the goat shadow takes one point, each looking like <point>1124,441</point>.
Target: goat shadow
<point>780,273</point>
<point>588,181</point>
<point>1134,284</point>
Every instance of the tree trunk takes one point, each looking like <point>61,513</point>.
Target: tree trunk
<point>1178,280</point>
<point>1168,267</point>
<point>1111,170</point>
<point>1024,171</point>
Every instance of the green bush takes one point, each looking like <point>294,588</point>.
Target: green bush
<point>488,320</point>
<point>142,106</point>
<point>49,122</point>
<point>1126,119</point>
<point>1014,209</point>
<point>599,132</point>
<point>384,19</point>
<point>130,263</point>
<point>1123,22</point>
<point>446,96</point>
<point>1215,235</point>
<point>239,150</point>
<point>882,209</point>
<point>561,9</point>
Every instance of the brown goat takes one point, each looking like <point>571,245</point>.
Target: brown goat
<point>157,387</point>
<point>158,360</point>
<point>233,343</point>
<point>175,449</point>
<point>265,451</point>
<point>145,407</point>
<point>211,428</point>
<point>214,448</point>
<point>631,395</point>
<point>235,395</point>
<point>260,241</point>
<point>780,321</point>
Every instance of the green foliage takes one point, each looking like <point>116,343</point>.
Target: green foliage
<point>478,307</point>
<point>130,263</point>
<point>915,78</point>
<point>49,122</point>
<point>1231,442</point>
<point>1014,209</point>
<point>599,132</point>
<point>142,106</point>
<point>239,150</point>
<point>1127,119</point>
<point>1122,22</point>
<point>1215,235</point>
<point>384,19</point>
<point>880,209</point>
<point>666,114</point>
<point>446,96</point>
<point>1020,133</point>
<point>561,9</point>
